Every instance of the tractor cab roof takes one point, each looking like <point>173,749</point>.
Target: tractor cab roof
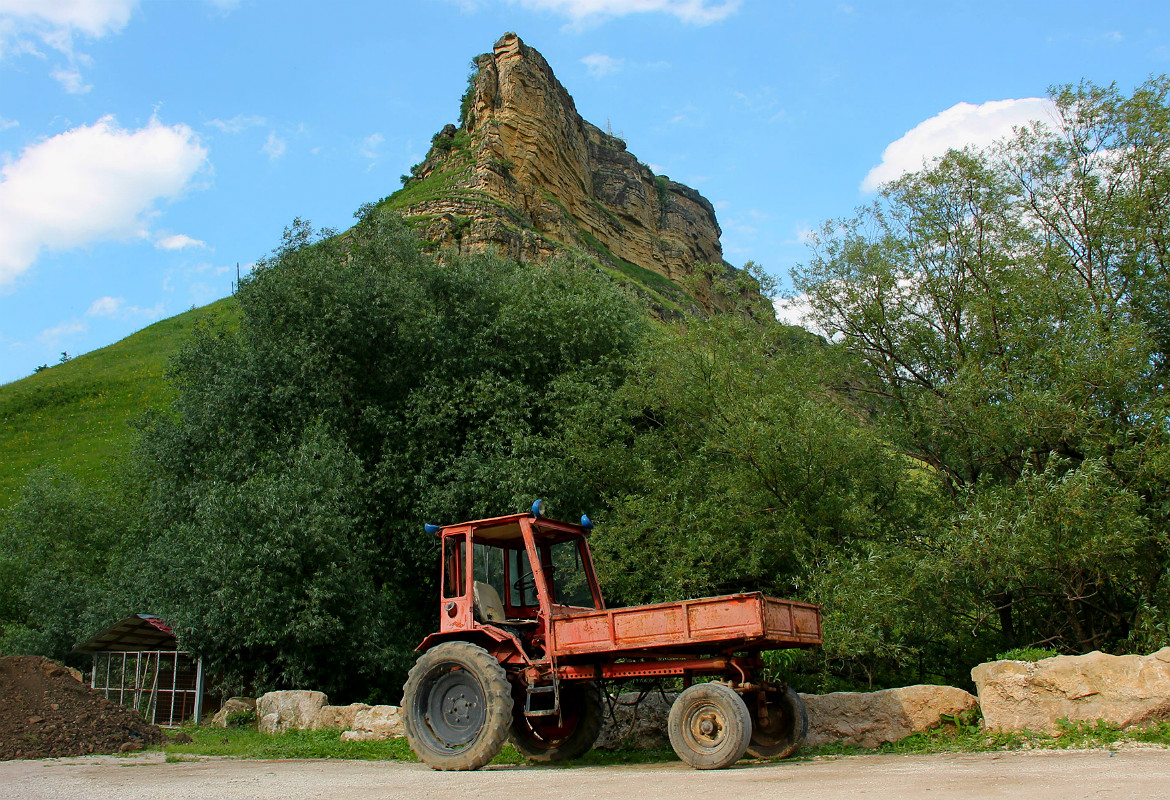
<point>502,529</point>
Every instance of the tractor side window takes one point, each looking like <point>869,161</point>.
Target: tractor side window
<point>522,589</point>
<point>453,583</point>
<point>489,566</point>
<point>570,583</point>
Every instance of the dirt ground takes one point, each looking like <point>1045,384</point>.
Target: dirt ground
<point>1134,773</point>
<point>45,711</point>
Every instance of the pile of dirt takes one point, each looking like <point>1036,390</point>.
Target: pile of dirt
<point>46,712</point>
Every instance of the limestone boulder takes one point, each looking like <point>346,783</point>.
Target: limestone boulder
<point>637,721</point>
<point>376,722</point>
<point>282,711</point>
<point>361,736</point>
<point>231,706</point>
<point>1125,691</point>
<point>868,719</point>
<point>342,717</point>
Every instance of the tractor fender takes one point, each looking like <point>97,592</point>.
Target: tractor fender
<point>501,644</point>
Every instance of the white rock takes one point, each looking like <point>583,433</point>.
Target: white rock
<point>281,711</point>
<point>383,721</point>
<point>1125,691</point>
<point>231,706</point>
<point>868,719</point>
<point>338,716</point>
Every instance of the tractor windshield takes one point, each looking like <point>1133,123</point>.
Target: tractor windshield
<point>569,580</point>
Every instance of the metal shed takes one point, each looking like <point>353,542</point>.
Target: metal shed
<point>137,663</point>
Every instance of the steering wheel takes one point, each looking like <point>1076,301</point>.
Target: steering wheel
<point>527,581</point>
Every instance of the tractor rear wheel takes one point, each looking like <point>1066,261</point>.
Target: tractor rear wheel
<point>571,736</point>
<point>785,729</point>
<point>457,705</point>
<point>709,726</point>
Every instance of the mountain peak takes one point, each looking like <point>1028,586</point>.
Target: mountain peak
<point>524,174</point>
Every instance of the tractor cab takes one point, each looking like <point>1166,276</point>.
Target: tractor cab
<point>513,573</point>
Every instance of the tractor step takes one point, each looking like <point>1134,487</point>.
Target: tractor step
<point>540,707</point>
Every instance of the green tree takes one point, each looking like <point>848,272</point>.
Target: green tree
<point>727,465</point>
<point>367,388</point>
<point>1007,309</point>
<point>60,551</point>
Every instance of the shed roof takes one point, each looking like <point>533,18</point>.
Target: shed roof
<point>136,632</point>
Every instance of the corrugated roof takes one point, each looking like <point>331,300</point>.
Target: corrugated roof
<point>137,632</point>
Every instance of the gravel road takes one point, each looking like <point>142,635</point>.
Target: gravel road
<point>1136,773</point>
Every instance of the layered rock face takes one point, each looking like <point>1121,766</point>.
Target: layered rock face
<point>524,174</point>
<point>1122,690</point>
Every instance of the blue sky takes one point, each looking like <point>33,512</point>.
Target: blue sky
<point>148,146</point>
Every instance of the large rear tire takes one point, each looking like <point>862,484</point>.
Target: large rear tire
<point>457,706</point>
<point>786,726</point>
<point>543,739</point>
<point>709,726</point>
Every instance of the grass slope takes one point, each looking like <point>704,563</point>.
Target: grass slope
<point>76,415</point>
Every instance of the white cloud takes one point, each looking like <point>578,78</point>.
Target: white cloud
<point>370,145</point>
<point>92,17</point>
<point>802,234</point>
<point>239,122</point>
<point>695,12</point>
<point>5,124</point>
<point>106,306</point>
<point>794,311</point>
<point>71,80</point>
<point>961,125</point>
<point>56,23</point>
<point>116,307</point>
<point>600,65</point>
<point>177,241</point>
<point>88,184</point>
<point>275,146</point>
<point>53,336</point>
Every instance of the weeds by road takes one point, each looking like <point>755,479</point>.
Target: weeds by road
<point>959,737</point>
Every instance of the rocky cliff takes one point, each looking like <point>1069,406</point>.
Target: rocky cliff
<point>524,174</point>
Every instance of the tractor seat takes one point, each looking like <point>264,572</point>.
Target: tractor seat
<point>489,607</point>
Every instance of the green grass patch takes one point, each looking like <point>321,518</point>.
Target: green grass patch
<point>970,738</point>
<point>247,742</point>
<point>439,184</point>
<point>250,743</point>
<point>77,415</point>
<point>646,277</point>
<point>961,737</point>
<point>1026,654</point>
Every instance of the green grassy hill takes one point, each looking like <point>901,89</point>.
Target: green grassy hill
<point>77,415</point>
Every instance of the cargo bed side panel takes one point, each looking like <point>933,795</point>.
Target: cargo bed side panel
<point>716,621</point>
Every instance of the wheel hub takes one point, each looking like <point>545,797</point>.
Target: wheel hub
<point>456,711</point>
<point>706,727</point>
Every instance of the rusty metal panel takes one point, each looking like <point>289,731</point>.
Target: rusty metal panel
<point>747,619</point>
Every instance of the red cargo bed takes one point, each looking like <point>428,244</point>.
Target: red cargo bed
<point>706,624</point>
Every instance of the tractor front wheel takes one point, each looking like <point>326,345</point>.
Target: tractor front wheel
<point>785,727</point>
<point>457,705</point>
<point>709,726</point>
<point>571,735</point>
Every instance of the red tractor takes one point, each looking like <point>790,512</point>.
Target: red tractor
<point>525,639</point>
